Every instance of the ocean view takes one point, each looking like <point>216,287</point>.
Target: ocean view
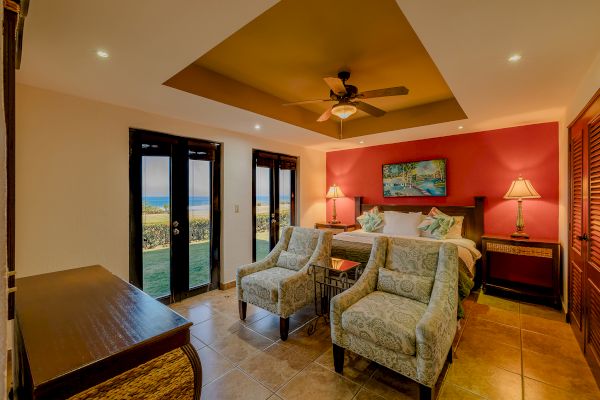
<point>196,202</point>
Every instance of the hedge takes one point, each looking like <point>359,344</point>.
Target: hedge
<point>157,234</point>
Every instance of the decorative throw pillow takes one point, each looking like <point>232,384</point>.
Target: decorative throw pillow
<point>291,261</point>
<point>456,231</point>
<point>406,285</point>
<point>399,223</point>
<point>371,220</point>
<point>436,224</point>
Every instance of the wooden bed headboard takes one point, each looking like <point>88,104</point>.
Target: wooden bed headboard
<point>472,224</point>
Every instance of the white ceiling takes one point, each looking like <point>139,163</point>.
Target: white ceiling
<point>469,40</point>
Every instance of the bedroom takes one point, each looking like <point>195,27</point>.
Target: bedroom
<point>74,111</point>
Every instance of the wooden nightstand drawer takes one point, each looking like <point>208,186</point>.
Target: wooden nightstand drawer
<point>335,228</point>
<point>528,269</point>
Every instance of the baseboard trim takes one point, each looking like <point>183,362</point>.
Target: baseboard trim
<point>226,285</point>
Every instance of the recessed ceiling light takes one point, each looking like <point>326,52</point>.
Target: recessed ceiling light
<point>514,58</point>
<point>102,53</point>
<point>460,127</point>
<point>362,142</point>
<point>257,127</point>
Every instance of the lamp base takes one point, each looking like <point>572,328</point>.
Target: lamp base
<point>334,221</point>
<point>519,235</point>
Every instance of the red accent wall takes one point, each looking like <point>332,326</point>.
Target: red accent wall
<point>479,164</point>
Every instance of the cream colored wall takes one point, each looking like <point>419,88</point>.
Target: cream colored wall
<point>73,184</point>
<point>588,86</point>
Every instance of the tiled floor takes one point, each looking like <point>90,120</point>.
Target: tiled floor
<point>505,350</point>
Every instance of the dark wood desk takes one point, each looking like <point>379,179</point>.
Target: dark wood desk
<point>75,329</point>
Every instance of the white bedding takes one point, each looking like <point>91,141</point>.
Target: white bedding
<point>467,251</point>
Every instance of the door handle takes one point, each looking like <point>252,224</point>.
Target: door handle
<point>583,237</point>
<point>175,231</point>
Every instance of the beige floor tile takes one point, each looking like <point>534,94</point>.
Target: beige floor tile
<point>535,390</point>
<point>233,386</point>
<point>453,392</point>
<point>214,365</point>
<point>269,326</point>
<point>391,385</point>
<point>197,343</point>
<point>274,366</point>
<point>493,332</point>
<point>547,344</point>
<point>494,314</point>
<point>317,382</point>
<point>275,397</point>
<point>304,315</point>
<point>561,372</point>
<point>313,345</point>
<point>536,310</point>
<point>356,368</point>
<point>485,380</point>
<point>497,354</point>
<point>214,328</point>
<point>240,345</point>
<point>195,314</point>
<point>364,394</point>
<point>558,329</point>
<point>498,302</point>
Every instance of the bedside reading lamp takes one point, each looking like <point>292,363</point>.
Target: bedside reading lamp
<point>334,192</point>
<point>521,189</point>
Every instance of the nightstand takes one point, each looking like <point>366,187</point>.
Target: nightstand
<point>335,228</point>
<point>528,269</point>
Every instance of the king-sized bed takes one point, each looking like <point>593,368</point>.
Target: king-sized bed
<point>356,245</point>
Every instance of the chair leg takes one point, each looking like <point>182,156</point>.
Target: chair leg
<point>284,327</point>
<point>450,355</point>
<point>242,305</point>
<point>425,392</point>
<point>338,358</point>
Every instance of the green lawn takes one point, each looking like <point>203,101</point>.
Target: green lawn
<point>156,266</point>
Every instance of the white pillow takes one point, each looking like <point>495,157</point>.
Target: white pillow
<point>399,223</point>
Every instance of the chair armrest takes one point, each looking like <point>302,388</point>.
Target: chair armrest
<point>437,328</point>
<point>365,285</point>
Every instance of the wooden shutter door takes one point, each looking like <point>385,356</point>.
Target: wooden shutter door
<point>592,271</point>
<point>576,222</point>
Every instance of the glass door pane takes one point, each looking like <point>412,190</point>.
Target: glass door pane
<point>199,211</point>
<point>285,196</point>
<point>156,222</point>
<point>263,207</point>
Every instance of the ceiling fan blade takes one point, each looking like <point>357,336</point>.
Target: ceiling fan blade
<point>392,91</point>
<point>297,103</point>
<point>369,109</point>
<point>325,116</point>
<point>336,85</point>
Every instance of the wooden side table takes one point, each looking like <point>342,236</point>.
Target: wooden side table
<point>335,228</point>
<point>529,268</point>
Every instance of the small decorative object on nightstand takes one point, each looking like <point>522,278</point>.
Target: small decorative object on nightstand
<point>335,228</point>
<point>521,189</point>
<point>525,268</point>
<point>334,192</point>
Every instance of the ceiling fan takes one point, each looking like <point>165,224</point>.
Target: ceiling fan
<point>347,98</point>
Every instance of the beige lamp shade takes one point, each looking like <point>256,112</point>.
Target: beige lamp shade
<point>335,192</point>
<point>521,189</point>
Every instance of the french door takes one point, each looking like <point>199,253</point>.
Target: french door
<point>273,199</point>
<point>175,215</point>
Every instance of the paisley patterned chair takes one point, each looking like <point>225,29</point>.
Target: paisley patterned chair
<point>280,283</point>
<point>401,313</point>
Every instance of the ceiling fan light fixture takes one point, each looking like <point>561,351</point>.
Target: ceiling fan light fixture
<point>343,111</point>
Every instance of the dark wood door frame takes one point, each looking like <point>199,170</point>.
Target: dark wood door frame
<point>178,148</point>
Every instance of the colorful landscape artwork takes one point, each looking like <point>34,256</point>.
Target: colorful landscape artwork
<point>415,179</point>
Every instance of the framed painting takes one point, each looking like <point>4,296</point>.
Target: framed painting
<point>415,179</point>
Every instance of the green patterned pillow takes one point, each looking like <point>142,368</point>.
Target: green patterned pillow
<point>436,226</point>
<point>371,220</point>
<point>406,285</point>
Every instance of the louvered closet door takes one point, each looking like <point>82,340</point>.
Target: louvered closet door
<point>592,272</point>
<point>577,224</point>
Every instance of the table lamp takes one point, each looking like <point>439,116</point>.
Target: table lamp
<point>334,192</point>
<point>521,189</point>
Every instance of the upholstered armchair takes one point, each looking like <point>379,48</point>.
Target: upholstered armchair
<point>401,313</point>
<point>281,283</point>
